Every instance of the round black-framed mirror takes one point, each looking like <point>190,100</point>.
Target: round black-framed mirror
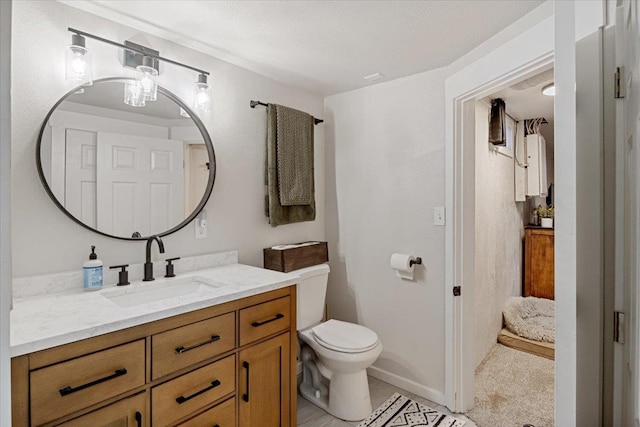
<point>125,172</point>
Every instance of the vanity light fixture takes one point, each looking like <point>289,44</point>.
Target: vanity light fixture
<point>146,63</point>
<point>148,76</point>
<point>549,90</point>
<point>78,61</point>
<point>201,98</point>
<point>134,94</point>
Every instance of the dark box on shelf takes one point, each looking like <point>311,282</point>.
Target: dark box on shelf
<point>291,259</point>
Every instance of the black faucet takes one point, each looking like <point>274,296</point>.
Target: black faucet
<point>148,265</point>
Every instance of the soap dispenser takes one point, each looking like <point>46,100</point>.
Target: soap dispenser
<point>92,272</point>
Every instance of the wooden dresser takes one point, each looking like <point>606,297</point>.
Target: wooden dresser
<point>539,262</point>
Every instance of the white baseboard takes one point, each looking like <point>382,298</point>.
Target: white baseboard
<point>408,385</point>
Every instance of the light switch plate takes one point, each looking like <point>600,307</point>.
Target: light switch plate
<point>438,216</point>
<point>200,224</point>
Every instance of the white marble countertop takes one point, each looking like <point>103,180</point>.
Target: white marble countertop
<point>45,321</point>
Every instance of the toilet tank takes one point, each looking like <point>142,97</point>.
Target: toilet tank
<point>311,292</point>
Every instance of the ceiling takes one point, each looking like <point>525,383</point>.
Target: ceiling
<point>327,47</point>
<point>110,95</point>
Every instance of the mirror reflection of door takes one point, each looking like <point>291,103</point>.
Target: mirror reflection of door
<point>79,191</point>
<point>139,184</point>
<point>197,174</point>
<point>119,183</point>
<point>123,170</point>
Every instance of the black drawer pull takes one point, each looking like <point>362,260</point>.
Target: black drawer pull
<point>217,425</point>
<point>68,389</point>
<point>213,385</point>
<point>139,419</point>
<point>264,322</point>
<point>182,349</point>
<point>245,396</point>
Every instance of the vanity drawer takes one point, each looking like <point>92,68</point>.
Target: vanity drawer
<point>190,344</point>
<point>64,388</point>
<point>188,393</point>
<point>223,415</point>
<point>126,412</point>
<point>264,319</point>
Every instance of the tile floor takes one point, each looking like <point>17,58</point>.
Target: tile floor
<point>310,415</point>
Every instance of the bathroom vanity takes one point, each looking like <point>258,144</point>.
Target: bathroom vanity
<point>210,347</point>
<point>222,355</point>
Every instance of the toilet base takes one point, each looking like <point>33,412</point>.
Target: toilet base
<point>348,397</point>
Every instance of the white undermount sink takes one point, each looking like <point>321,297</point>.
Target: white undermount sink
<point>150,292</point>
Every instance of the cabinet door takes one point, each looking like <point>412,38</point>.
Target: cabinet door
<point>539,270</point>
<point>265,384</point>
<point>130,412</point>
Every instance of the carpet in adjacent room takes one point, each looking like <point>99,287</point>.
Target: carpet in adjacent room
<point>513,388</point>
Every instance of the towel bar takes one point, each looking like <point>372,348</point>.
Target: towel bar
<point>253,104</point>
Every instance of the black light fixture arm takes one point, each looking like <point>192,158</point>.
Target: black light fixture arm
<point>134,49</point>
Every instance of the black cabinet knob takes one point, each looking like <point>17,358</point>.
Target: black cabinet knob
<point>123,275</point>
<point>169,272</point>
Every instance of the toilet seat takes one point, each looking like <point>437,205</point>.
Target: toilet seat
<point>344,337</point>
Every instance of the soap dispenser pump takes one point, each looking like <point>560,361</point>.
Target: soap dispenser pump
<point>92,272</point>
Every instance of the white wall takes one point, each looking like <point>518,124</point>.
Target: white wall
<point>385,174</point>
<point>5,210</point>
<point>385,169</point>
<point>499,230</point>
<point>45,240</point>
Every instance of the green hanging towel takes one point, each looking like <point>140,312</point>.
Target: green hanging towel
<point>289,171</point>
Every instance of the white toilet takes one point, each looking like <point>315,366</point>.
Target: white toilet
<point>334,354</point>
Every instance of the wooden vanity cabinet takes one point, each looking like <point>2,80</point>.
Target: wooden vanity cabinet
<point>231,365</point>
<point>539,265</point>
<point>264,383</point>
<point>128,412</point>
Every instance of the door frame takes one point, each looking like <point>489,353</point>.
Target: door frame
<point>5,212</point>
<point>501,68</point>
<point>460,244</point>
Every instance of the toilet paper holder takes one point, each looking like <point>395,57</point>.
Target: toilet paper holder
<point>418,260</point>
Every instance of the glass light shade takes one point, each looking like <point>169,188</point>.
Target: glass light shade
<point>549,90</point>
<point>78,64</point>
<point>201,98</point>
<point>134,93</point>
<point>147,76</point>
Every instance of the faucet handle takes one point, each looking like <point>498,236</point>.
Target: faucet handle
<point>123,275</point>
<point>169,272</point>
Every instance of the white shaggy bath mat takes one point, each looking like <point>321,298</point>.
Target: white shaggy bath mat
<point>531,317</point>
<point>399,410</point>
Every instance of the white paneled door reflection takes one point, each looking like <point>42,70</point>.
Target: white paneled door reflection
<point>139,184</point>
<point>80,175</point>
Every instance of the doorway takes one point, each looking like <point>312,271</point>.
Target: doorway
<point>514,312</point>
<point>462,93</point>
<point>196,173</point>
<point>578,242</point>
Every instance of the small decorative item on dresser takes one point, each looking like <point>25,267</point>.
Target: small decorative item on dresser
<point>546,214</point>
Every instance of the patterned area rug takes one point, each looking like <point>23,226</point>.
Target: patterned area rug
<point>400,411</point>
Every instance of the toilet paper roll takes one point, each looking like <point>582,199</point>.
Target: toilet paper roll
<point>401,263</point>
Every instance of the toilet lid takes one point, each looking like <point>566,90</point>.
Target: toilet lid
<point>344,336</point>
